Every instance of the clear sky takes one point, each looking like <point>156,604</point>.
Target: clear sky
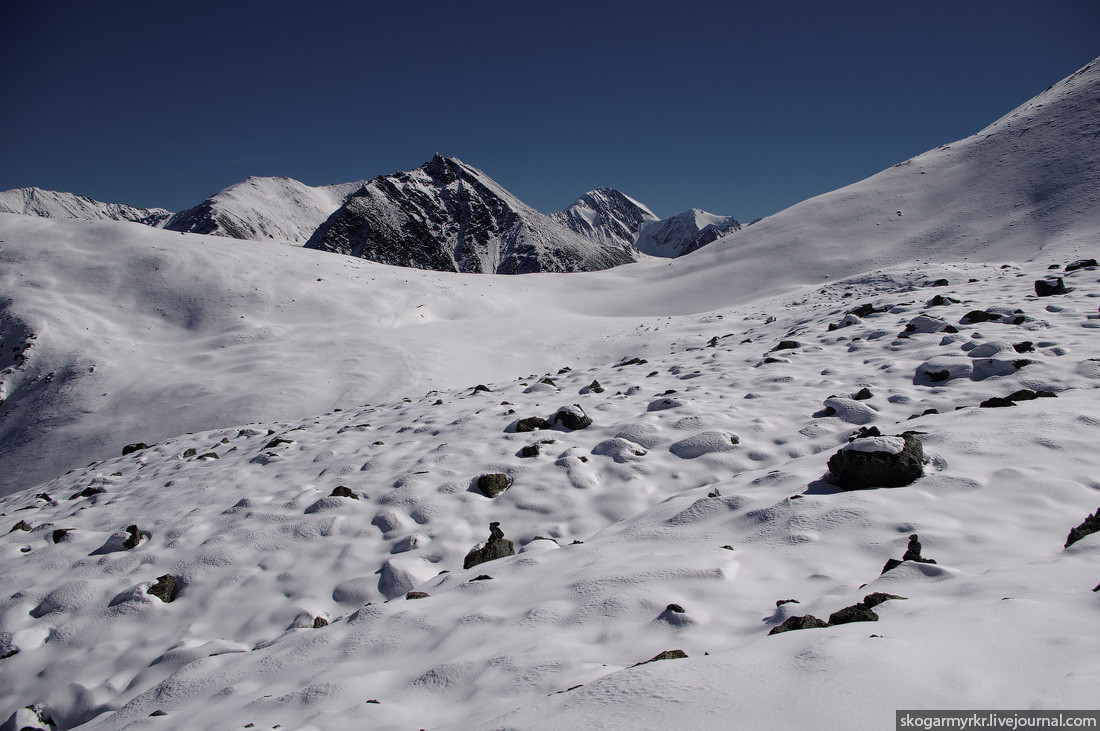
<point>735,108</point>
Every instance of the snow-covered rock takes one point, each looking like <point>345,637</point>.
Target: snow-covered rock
<point>52,204</point>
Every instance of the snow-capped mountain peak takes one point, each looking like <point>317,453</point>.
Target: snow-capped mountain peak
<point>607,215</point>
<point>684,233</point>
<point>53,204</point>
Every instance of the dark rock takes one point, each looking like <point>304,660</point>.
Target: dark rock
<point>856,470</point>
<point>1081,264</point>
<point>865,309</point>
<point>493,484</point>
<point>1025,394</point>
<point>891,564</point>
<point>483,577</point>
<point>938,376</point>
<point>674,608</point>
<point>666,655</point>
<point>632,361</point>
<point>1025,347</point>
<point>277,441</point>
<point>344,491</point>
<point>59,534</point>
<point>996,403</point>
<point>951,329</point>
<point>854,613</point>
<point>158,712</point>
<point>865,431</point>
<point>1022,362</point>
<point>136,446</point>
<point>941,283</point>
<point>134,539</point>
<point>595,387</point>
<point>878,597</point>
<point>531,450</point>
<point>87,492</point>
<point>781,602</point>
<point>532,423</point>
<point>320,622</point>
<point>792,623</point>
<point>1090,526</point>
<point>417,595</point>
<point>862,395</point>
<point>482,387</point>
<point>940,301</point>
<point>496,547</point>
<point>549,382</point>
<point>572,418</point>
<point>209,455</point>
<point>787,345</point>
<point>21,525</point>
<point>912,551</point>
<point>191,452</point>
<point>976,316</point>
<point>166,589</point>
<point>1050,287</point>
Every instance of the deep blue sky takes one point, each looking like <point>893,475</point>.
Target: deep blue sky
<point>736,110</point>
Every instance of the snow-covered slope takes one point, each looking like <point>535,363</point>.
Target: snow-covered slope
<point>684,233</point>
<point>449,216</point>
<point>607,215</point>
<point>280,209</point>
<point>51,204</point>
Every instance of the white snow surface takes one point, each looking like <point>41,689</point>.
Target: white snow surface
<point>304,371</point>
<point>890,445</point>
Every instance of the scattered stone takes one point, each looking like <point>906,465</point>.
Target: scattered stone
<point>912,553</point>
<point>482,387</point>
<point>1025,394</point>
<point>809,621</point>
<point>190,453</point>
<point>496,547</point>
<point>21,525</point>
<point>666,655</point>
<point>996,403</point>
<point>866,309</point>
<point>532,423</point>
<point>209,455</point>
<point>87,492</point>
<point>166,589</point>
<point>134,538</point>
<point>344,491</point>
<point>1090,526</point>
<point>878,462</point>
<point>941,283</point>
<point>940,301</point>
<point>855,613</point>
<point>1080,264</point>
<point>549,382</point>
<point>787,345</point>
<point>1050,287</point>
<point>862,395</point>
<point>781,602</point>
<point>60,534</point>
<point>632,361</point>
<point>417,595</point>
<point>674,608</point>
<point>531,450</point>
<point>493,484</point>
<point>277,441</point>
<point>158,712</point>
<point>320,622</point>
<point>483,577</point>
<point>595,387</point>
<point>1025,347</point>
<point>136,446</point>
<point>878,597</point>
<point>572,418</point>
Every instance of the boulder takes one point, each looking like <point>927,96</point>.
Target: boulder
<point>878,462</point>
<point>166,589</point>
<point>493,484</point>
<point>666,655</point>
<point>496,547</point>
<point>1050,287</point>
<point>344,491</point>
<point>1090,526</point>
<point>532,423</point>
<point>1081,264</point>
<point>855,613</point>
<point>976,316</point>
<point>808,621</point>
<point>136,446</point>
<point>572,418</point>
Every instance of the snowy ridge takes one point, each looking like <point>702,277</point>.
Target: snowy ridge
<point>449,216</point>
<point>280,209</point>
<point>684,233</point>
<point>607,215</point>
<point>51,204</point>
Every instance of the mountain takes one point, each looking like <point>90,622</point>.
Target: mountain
<point>51,204</point>
<point>449,216</point>
<point>607,215</point>
<point>278,209</point>
<point>683,233</point>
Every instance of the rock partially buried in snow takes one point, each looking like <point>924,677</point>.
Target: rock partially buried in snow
<point>878,462</point>
<point>707,442</point>
<point>850,410</point>
<point>620,450</point>
<point>1050,287</point>
<point>496,547</point>
<point>808,621</point>
<point>493,484</point>
<point>572,418</point>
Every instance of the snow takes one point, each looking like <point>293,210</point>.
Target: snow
<point>890,445</point>
<point>305,371</point>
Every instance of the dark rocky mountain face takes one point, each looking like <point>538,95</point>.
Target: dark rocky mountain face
<point>607,215</point>
<point>449,216</point>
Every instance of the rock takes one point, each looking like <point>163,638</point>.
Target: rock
<point>60,534</point>
<point>496,547</point>
<point>166,589</point>
<point>941,283</point>
<point>482,387</point>
<point>781,602</point>
<point>620,450</point>
<point>493,484</point>
<point>30,718</point>
<point>136,446</point>
<point>809,621</point>
<point>1050,287</point>
<point>666,655</point>
<point>531,450</point>
<point>885,462</point>
<point>482,577</point>
<point>87,492</point>
<point>854,613</point>
<point>663,404</point>
<point>878,597</point>
<point>572,418</point>
<point>1025,394</point>
<point>787,345</point>
<point>866,309</point>
<point>996,402</point>
<point>862,395</point>
<point>209,455</point>
<point>21,525</point>
<point>134,537</point>
<point>343,491</point>
<point>417,595</point>
<point>940,301</point>
<point>277,441</point>
<point>595,387</point>
<point>674,608</point>
<point>191,452</point>
<point>912,553</point>
<point>1025,347</point>
<point>532,423</point>
<point>1090,526</point>
<point>632,361</point>
<point>849,410</point>
<point>1081,264</point>
<point>976,316</point>
<point>925,324</point>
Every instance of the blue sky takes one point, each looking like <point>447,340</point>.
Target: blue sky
<point>734,108</point>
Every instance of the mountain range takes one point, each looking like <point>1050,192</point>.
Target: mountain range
<point>444,216</point>
<point>244,482</point>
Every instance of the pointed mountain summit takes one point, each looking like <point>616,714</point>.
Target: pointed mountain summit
<point>260,209</point>
<point>684,233</point>
<point>607,215</point>
<point>52,204</point>
<point>449,216</point>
